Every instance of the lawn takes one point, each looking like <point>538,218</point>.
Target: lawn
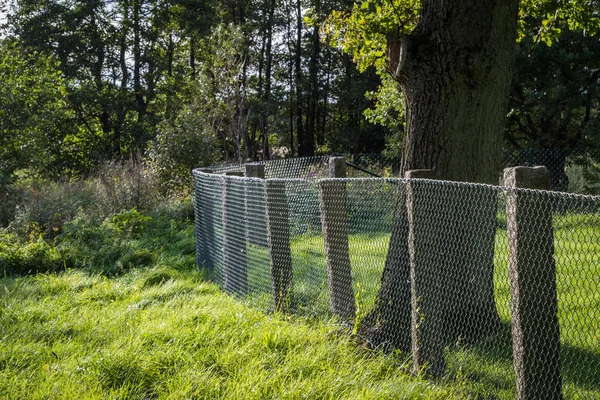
<point>168,334</point>
<point>123,313</point>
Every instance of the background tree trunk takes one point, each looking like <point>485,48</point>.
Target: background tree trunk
<point>455,71</point>
<point>302,151</point>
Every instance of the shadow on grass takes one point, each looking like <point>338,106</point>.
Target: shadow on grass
<point>490,363</point>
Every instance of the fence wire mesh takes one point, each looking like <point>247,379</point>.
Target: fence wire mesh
<point>497,285</point>
<point>575,170</point>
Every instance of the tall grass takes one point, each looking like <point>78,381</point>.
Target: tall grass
<point>167,334</point>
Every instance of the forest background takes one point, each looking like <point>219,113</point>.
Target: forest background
<point>186,83</point>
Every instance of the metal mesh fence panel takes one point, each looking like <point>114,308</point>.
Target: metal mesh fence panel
<point>575,170</point>
<point>496,285</point>
<point>308,168</point>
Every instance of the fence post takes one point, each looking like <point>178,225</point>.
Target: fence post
<point>203,223</point>
<point>532,273</point>
<point>427,320</point>
<point>334,219</point>
<point>278,234</point>
<point>256,206</point>
<point>235,270</point>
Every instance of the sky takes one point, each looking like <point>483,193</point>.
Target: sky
<point>4,6</point>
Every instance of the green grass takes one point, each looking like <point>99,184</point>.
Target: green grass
<point>123,313</point>
<point>163,333</point>
<point>577,256</point>
<point>487,369</point>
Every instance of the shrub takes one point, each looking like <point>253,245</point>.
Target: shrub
<point>131,221</point>
<point>45,206</point>
<point>28,258</point>
<point>126,185</point>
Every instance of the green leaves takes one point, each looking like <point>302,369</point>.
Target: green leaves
<point>544,17</point>
<point>33,108</point>
<point>362,32</point>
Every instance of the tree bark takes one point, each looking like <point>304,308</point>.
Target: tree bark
<point>268,72</point>
<point>313,81</point>
<point>299,86</point>
<point>455,71</point>
<point>140,103</point>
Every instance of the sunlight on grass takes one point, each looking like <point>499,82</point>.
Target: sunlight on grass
<point>162,333</point>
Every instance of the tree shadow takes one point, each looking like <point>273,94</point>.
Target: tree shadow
<point>579,366</point>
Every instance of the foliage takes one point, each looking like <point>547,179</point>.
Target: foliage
<point>131,221</point>
<point>110,246</point>
<point>127,184</point>
<point>34,256</point>
<point>212,118</point>
<point>42,206</point>
<point>33,109</point>
<point>363,33</point>
<point>555,101</point>
<point>549,18</point>
<point>36,205</point>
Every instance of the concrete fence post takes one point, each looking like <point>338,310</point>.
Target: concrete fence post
<point>278,234</point>
<point>256,207</point>
<point>203,218</point>
<point>334,220</point>
<point>235,269</point>
<point>427,319</point>
<point>532,274</point>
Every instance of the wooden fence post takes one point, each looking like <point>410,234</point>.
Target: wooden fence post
<point>334,220</point>
<point>532,273</point>
<point>235,269</point>
<point>427,320</point>
<point>278,233</point>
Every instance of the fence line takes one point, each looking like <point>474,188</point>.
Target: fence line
<point>480,262</point>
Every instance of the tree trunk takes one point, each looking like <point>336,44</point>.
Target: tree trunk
<point>313,79</point>
<point>299,87</point>
<point>455,71</point>
<point>267,95</point>
<point>192,56</point>
<point>291,76</point>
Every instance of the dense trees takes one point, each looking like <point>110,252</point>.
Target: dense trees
<point>132,68</point>
<point>34,113</point>
<point>135,71</point>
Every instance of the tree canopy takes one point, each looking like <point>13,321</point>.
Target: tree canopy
<point>304,77</point>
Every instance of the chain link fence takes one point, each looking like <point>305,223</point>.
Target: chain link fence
<point>499,285</point>
<point>574,170</point>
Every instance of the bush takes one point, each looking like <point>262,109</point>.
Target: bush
<point>45,206</point>
<point>131,221</point>
<point>28,258</point>
<point>60,225</point>
<point>126,185</point>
